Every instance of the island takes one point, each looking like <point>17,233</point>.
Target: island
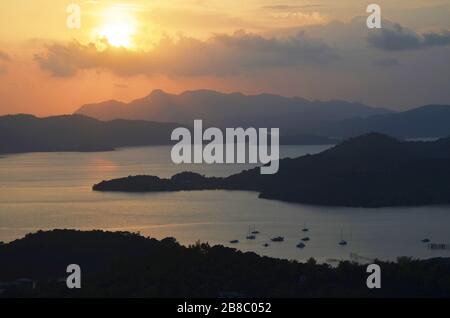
<point>372,170</point>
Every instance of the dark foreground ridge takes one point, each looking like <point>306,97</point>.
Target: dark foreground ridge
<point>372,170</point>
<point>123,264</point>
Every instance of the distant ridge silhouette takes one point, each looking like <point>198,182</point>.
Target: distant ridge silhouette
<point>27,133</point>
<point>294,115</point>
<point>426,121</point>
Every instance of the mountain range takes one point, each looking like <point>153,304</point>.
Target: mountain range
<point>426,121</point>
<point>300,121</point>
<point>293,115</point>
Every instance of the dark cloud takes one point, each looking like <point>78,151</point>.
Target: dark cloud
<point>397,38</point>
<point>437,39</point>
<point>220,55</point>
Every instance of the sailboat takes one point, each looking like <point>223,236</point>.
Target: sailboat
<point>305,229</point>
<point>250,236</point>
<point>254,230</point>
<point>342,242</point>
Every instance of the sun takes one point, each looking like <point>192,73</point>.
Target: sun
<point>117,34</point>
<point>118,27</point>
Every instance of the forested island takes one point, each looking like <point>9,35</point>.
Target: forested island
<point>371,170</point>
<point>123,264</point>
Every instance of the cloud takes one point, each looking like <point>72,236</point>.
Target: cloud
<point>4,56</point>
<point>222,54</point>
<point>398,38</point>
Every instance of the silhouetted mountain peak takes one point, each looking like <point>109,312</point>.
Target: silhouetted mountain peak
<point>158,93</point>
<point>201,93</point>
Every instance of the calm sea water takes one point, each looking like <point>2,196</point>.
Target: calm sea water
<point>53,190</point>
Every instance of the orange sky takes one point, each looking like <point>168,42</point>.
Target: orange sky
<point>250,46</point>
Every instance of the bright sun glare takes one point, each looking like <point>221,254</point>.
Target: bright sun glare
<point>118,27</point>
